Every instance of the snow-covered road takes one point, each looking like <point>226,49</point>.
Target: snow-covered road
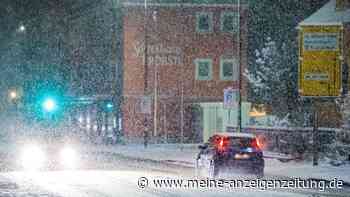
<point>117,183</point>
<point>120,177</point>
<point>113,174</point>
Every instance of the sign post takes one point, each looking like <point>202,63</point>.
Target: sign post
<point>230,98</point>
<point>231,101</point>
<point>320,70</point>
<point>320,61</point>
<point>145,107</point>
<point>315,136</point>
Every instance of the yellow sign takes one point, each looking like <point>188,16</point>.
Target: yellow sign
<point>320,60</point>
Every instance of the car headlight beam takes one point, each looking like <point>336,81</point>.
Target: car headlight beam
<point>68,157</point>
<point>32,157</point>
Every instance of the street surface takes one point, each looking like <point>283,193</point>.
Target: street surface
<point>118,176</point>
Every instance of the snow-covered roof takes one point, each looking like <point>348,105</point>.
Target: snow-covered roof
<point>235,134</point>
<point>328,15</point>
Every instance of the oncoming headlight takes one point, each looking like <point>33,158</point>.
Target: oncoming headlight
<point>69,157</point>
<point>32,157</point>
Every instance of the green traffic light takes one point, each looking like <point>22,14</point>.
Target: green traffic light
<point>49,105</point>
<point>109,105</point>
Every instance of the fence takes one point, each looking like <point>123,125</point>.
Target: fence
<point>291,139</point>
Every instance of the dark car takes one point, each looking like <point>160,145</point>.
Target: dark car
<point>230,152</point>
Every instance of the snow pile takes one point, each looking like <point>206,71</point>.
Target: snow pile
<point>186,154</point>
<point>306,170</point>
<point>177,153</point>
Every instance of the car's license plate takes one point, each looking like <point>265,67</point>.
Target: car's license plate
<point>242,156</point>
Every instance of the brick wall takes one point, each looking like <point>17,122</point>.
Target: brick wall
<point>174,44</point>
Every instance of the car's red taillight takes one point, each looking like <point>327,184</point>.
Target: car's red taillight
<point>256,144</point>
<point>222,144</point>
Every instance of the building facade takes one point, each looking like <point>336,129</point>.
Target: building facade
<point>177,61</point>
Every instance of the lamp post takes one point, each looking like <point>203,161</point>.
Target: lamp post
<point>155,113</point>
<point>117,46</point>
<point>239,121</point>
<point>13,95</point>
<point>145,124</point>
<point>49,107</point>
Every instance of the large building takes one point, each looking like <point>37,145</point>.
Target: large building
<point>178,59</point>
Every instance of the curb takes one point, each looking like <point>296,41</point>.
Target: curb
<point>192,165</point>
<point>166,162</point>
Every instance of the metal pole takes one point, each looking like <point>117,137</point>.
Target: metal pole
<point>106,118</point>
<point>146,47</point>
<point>315,135</point>
<point>239,123</point>
<point>145,134</point>
<point>116,61</point>
<point>155,111</point>
<point>182,113</point>
<point>182,92</point>
<point>165,124</point>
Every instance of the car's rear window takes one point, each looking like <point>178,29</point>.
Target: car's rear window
<point>241,142</point>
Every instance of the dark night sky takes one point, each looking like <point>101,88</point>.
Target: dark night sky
<point>13,13</point>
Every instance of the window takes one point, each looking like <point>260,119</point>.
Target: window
<point>204,22</point>
<point>203,69</point>
<point>228,69</point>
<point>229,22</point>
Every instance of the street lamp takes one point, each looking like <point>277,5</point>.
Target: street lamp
<point>13,95</point>
<point>21,28</point>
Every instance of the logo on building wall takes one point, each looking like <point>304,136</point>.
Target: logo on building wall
<point>145,105</point>
<point>159,53</point>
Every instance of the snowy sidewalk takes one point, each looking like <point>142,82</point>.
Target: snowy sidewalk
<point>173,153</point>
<point>186,154</point>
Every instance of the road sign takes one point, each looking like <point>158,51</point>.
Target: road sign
<point>230,98</point>
<point>320,61</point>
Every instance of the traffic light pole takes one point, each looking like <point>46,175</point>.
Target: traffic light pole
<point>117,61</point>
